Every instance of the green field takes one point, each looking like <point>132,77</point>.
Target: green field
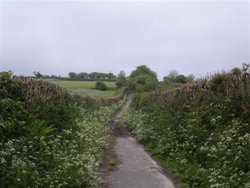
<point>86,88</point>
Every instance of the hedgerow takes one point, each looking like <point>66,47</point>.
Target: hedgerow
<point>201,132</point>
<point>49,138</point>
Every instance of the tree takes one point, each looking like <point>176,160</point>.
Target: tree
<point>190,78</point>
<point>72,75</point>
<point>121,80</point>
<point>83,75</point>
<point>93,75</point>
<point>37,74</point>
<point>174,77</point>
<point>181,79</point>
<point>143,79</point>
<point>171,76</point>
<point>111,76</point>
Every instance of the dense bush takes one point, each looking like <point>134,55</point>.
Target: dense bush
<point>121,80</point>
<point>201,132</point>
<point>49,138</point>
<point>100,85</point>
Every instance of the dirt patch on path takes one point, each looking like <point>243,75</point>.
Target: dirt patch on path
<point>133,166</point>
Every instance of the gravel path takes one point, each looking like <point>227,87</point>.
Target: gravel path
<point>136,169</point>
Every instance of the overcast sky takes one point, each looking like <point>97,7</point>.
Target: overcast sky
<point>56,37</point>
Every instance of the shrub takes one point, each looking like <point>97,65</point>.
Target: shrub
<point>100,85</point>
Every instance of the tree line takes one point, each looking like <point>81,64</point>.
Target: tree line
<point>144,79</point>
<point>80,76</point>
<point>93,76</point>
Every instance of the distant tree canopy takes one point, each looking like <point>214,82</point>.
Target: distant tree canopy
<point>142,79</point>
<point>121,80</point>
<point>93,76</point>
<point>72,75</point>
<point>174,77</point>
<point>37,74</point>
<point>80,76</point>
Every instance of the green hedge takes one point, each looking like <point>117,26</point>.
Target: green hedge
<point>49,138</point>
<point>200,132</point>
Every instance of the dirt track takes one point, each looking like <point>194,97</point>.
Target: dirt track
<point>136,169</point>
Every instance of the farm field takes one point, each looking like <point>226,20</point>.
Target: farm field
<point>86,88</point>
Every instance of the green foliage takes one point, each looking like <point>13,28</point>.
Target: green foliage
<point>136,124</point>
<point>121,80</point>
<point>13,118</point>
<point>68,159</point>
<point>37,74</point>
<point>181,79</point>
<point>142,79</point>
<point>92,76</point>
<point>49,138</point>
<point>101,86</point>
<point>9,88</point>
<point>202,131</point>
<point>143,70</point>
<point>174,77</point>
<point>72,75</point>
<point>217,83</point>
<point>82,76</point>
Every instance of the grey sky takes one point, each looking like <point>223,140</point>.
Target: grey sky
<point>56,37</point>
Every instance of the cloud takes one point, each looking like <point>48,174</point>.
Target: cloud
<point>56,37</point>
